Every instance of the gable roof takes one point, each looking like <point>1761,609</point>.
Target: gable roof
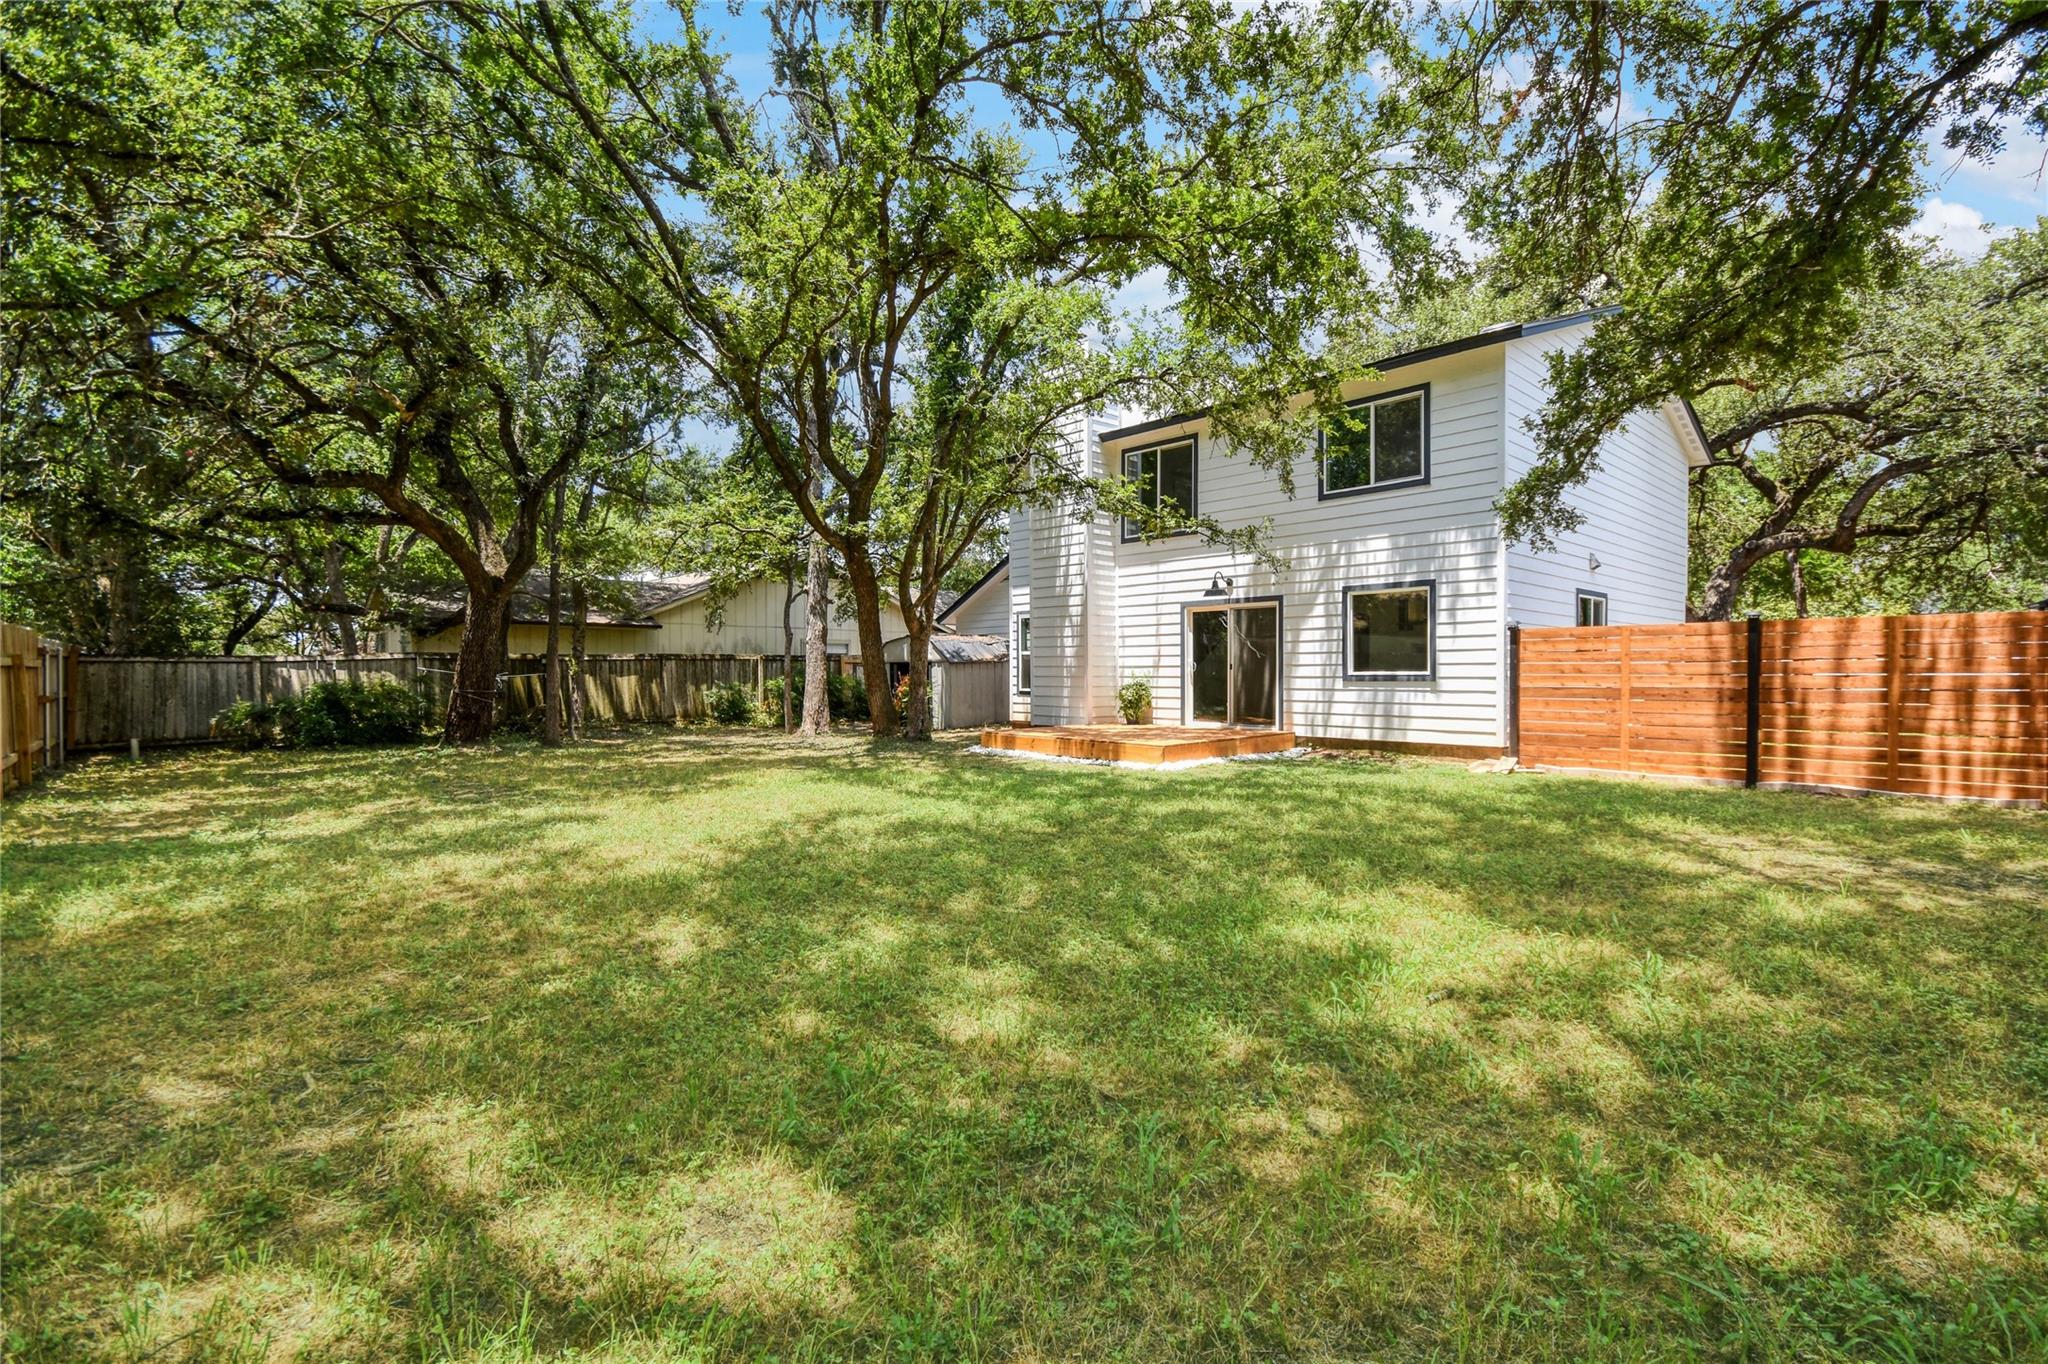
<point>1490,336</point>
<point>1002,566</point>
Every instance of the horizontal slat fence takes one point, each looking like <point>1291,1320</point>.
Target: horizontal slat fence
<point>174,700</point>
<point>1949,705</point>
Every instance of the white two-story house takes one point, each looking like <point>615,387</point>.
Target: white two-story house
<point>1388,624</point>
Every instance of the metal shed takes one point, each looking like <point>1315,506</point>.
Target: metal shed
<point>970,678</point>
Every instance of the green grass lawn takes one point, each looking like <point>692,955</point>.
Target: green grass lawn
<point>714,1045</point>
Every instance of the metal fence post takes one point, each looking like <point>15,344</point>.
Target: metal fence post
<point>1514,724</point>
<point>1752,737</point>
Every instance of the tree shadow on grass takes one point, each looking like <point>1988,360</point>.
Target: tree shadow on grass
<point>730,1040</point>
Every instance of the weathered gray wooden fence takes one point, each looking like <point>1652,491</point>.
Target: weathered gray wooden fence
<point>174,700</point>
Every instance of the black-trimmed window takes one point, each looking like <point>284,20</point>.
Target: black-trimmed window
<point>1592,607</point>
<point>1390,631</point>
<point>1388,446</point>
<point>1023,655</point>
<point>1165,475</point>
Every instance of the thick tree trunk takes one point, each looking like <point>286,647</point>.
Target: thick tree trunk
<point>1798,572</point>
<point>788,650</point>
<point>473,700</point>
<point>917,710</point>
<point>337,597</point>
<point>579,683</point>
<point>1723,587</point>
<point>867,615</point>
<point>551,676</point>
<point>817,616</point>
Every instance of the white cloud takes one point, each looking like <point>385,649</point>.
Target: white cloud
<point>1956,228</point>
<point>1440,220</point>
<point>2013,183</point>
<point>1148,291</point>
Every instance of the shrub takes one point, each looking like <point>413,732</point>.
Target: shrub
<point>333,714</point>
<point>246,724</point>
<point>731,703</point>
<point>903,696</point>
<point>1133,699</point>
<point>328,715</point>
<point>846,698</point>
<point>849,697</point>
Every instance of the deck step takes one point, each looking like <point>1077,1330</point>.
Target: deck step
<point>1150,744</point>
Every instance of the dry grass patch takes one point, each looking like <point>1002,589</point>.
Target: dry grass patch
<point>679,940</point>
<point>753,1234</point>
<point>468,1149</point>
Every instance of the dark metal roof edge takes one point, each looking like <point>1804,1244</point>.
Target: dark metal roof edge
<point>1421,355</point>
<point>1001,565</point>
<point>1698,428</point>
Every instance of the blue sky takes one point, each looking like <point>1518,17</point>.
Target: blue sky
<point>1968,204</point>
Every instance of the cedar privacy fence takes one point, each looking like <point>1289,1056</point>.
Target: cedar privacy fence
<point>33,692</point>
<point>1951,706</point>
<point>174,700</point>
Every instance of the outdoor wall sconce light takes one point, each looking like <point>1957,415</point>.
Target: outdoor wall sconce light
<point>1219,586</point>
<point>1592,563</point>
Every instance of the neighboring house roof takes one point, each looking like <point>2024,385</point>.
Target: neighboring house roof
<point>952,649</point>
<point>620,604</point>
<point>1490,336</point>
<point>1002,566</point>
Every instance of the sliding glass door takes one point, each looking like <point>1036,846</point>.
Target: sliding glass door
<point>1234,665</point>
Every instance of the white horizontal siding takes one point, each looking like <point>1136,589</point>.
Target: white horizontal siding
<point>1634,507</point>
<point>1444,530</point>
<point>1021,554</point>
<point>988,612</point>
<point>1072,592</point>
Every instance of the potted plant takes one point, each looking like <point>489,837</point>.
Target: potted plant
<point>1134,700</point>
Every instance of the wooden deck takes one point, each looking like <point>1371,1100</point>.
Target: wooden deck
<point>1138,743</point>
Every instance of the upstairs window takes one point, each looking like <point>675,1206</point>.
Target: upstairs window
<point>1390,632</point>
<point>1592,607</point>
<point>1389,446</point>
<point>1165,475</point>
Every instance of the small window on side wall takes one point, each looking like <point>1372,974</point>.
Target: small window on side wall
<point>1390,632</point>
<point>1023,655</point>
<point>1165,475</point>
<point>1592,607</point>
<point>1386,446</point>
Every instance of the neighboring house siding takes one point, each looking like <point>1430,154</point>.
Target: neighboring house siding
<point>1634,507</point>
<point>533,639</point>
<point>1444,530</point>
<point>748,622</point>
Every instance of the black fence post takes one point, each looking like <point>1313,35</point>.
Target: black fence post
<point>1752,736</point>
<point>1514,670</point>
